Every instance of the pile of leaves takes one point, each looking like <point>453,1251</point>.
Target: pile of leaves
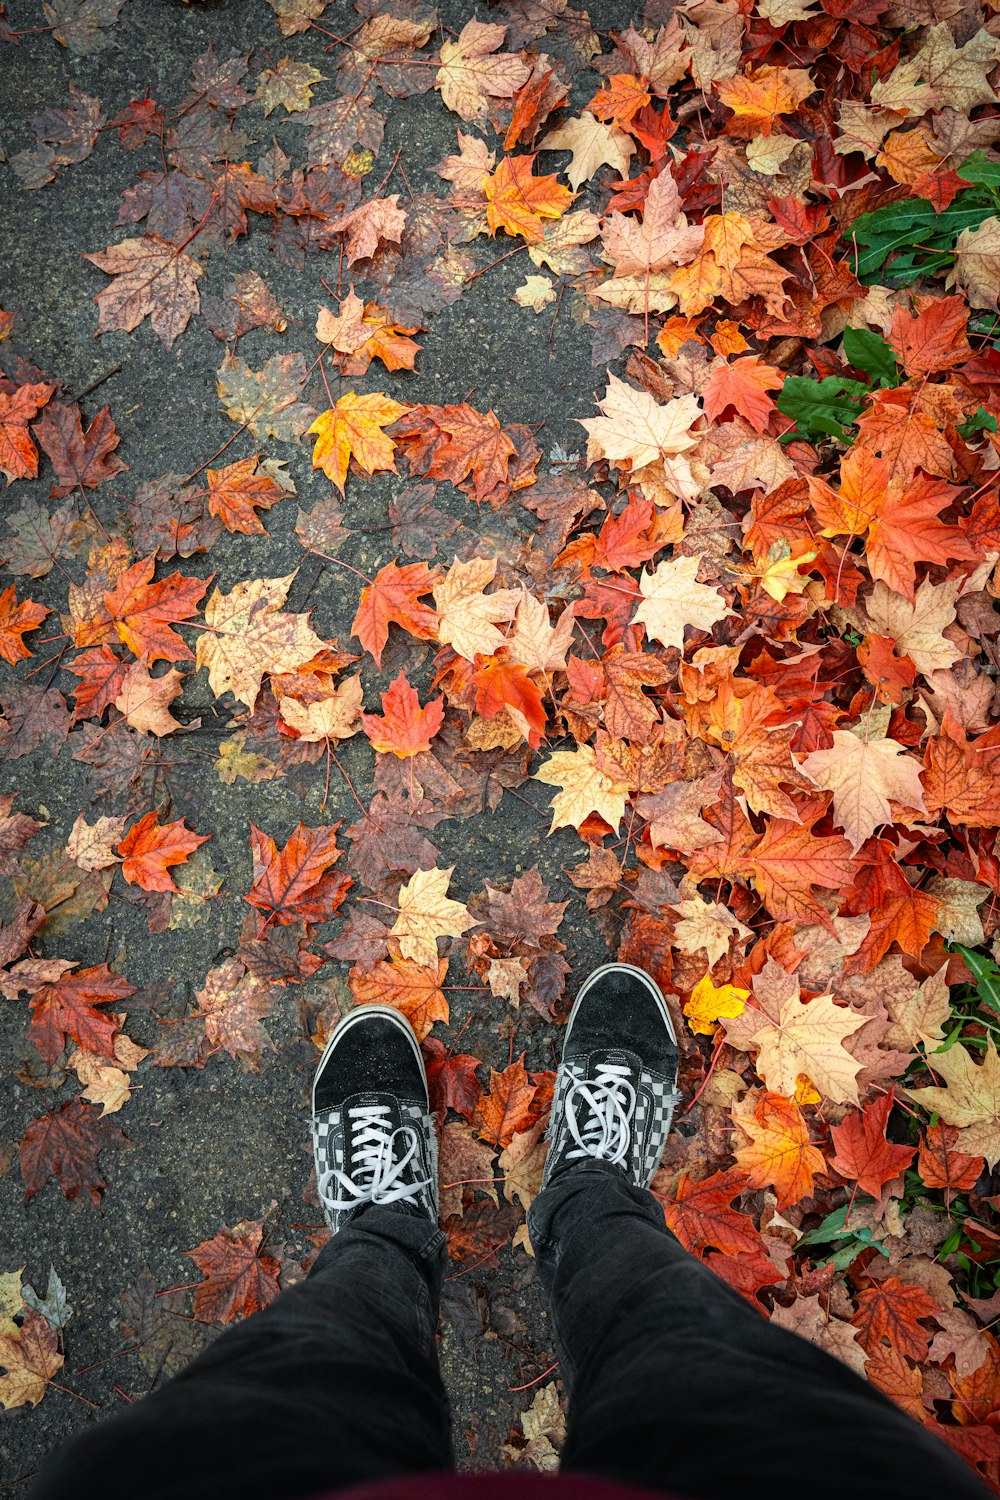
<point>745,645</point>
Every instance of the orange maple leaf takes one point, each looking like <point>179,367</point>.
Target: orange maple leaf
<point>66,1008</point>
<point>702,1215</point>
<point>758,98</point>
<point>15,621</point>
<point>863,1154</point>
<point>892,1310</point>
<point>962,778</point>
<point>143,611</point>
<point>393,597</point>
<point>519,202</point>
<point>508,1105</point>
<point>744,385</point>
<point>778,1153</point>
<point>18,454</point>
<point>237,492</point>
<point>296,883</point>
<point>507,685</point>
<point>352,429</point>
<point>240,1278</point>
<point>624,96</point>
<point>404,729</point>
<point>415,989</point>
<point>933,338</point>
<point>788,861</point>
<point>149,848</point>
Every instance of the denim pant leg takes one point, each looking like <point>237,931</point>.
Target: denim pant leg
<point>675,1382</point>
<point>335,1383</point>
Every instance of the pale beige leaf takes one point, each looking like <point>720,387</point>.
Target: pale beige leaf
<point>250,635</point>
<point>585,789</point>
<point>635,429</point>
<point>335,718</point>
<point>594,144</point>
<point>522,1164</point>
<point>473,71</point>
<point>707,926</point>
<point>559,249</point>
<point>807,1038</point>
<point>534,642</point>
<point>474,161</point>
<point>467,617</point>
<point>920,1017</point>
<point>672,598</point>
<point>535,292</point>
<point>969,1099</point>
<point>863,775</point>
<point>958,903</point>
<point>426,913</point>
<point>977,264</point>
<point>917,627</point>
<point>958,75</point>
<point>91,845</point>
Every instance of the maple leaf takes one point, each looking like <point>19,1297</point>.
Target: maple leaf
<point>15,622</point>
<point>863,775</point>
<point>145,700</point>
<point>518,201</point>
<point>289,84</point>
<point>504,686</point>
<point>672,599</point>
<point>535,292</point>
<point>267,400</point>
<point>594,144</point>
<point>777,1152</point>
<point>708,1004</point>
<point>405,728</point>
<point>240,1277</point>
<point>636,430</point>
<point>352,429</point>
<point>234,1003</point>
<point>807,1037</point>
<point>18,454</point>
<point>250,634</point>
<point>625,96</point>
<point>701,1215</point>
<point>79,457</point>
<point>892,1310</point>
<point>143,611</point>
<point>535,642</point>
<point>643,254</point>
<point>152,279</point>
<point>744,385</point>
<point>506,1108</point>
<point>29,1359</point>
<point>969,1099</point>
<point>334,717</point>
<point>65,1145</point>
<point>862,1152</point>
<point>66,1008</point>
<point>473,72</point>
<point>758,98</point>
<point>426,913</point>
<point>238,491</point>
<point>475,444</point>
<point>393,598</point>
<point>413,988</point>
<point>942,1165</point>
<point>466,615</point>
<point>961,777</point>
<point>585,789</point>
<point>932,338</point>
<point>296,883</point>
<point>149,848</point>
<point>372,221</point>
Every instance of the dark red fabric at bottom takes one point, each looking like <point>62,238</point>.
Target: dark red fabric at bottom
<point>503,1485</point>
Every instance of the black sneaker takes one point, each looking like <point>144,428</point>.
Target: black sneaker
<point>373,1136</point>
<point>616,1088</point>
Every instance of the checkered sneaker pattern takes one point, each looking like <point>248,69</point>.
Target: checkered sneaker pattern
<point>330,1147</point>
<point>655,1102</point>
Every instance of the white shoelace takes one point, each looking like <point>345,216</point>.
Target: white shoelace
<point>609,1100</point>
<point>378,1178</point>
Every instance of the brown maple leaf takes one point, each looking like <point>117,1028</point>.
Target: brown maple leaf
<point>65,1145</point>
<point>152,279</point>
<point>240,1277</point>
<point>79,456</point>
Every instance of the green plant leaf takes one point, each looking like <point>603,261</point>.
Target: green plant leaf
<point>822,408</point>
<point>869,352</point>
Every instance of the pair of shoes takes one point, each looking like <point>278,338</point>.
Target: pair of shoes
<point>614,1099</point>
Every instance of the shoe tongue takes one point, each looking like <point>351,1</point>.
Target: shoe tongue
<point>617,1056</point>
<point>367,1101</point>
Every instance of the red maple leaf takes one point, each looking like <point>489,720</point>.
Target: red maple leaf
<point>65,1145</point>
<point>892,1310</point>
<point>295,884</point>
<point>18,454</point>
<point>862,1152</point>
<point>240,1278</point>
<point>405,728</point>
<point>702,1215</point>
<point>66,1008</point>
<point>451,1078</point>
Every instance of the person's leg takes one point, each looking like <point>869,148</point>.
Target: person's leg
<point>675,1382</point>
<point>337,1381</point>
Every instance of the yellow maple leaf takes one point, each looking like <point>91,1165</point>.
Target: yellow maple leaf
<point>708,1004</point>
<point>427,912</point>
<point>758,98</point>
<point>519,202</point>
<point>353,429</point>
<point>468,617</point>
<point>585,789</point>
<point>30,1360</point>
<point>809,1038</point>
<point>249,634</point>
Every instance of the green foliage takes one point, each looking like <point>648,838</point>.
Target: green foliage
<point>822,408</point>
<point>851,1240</point>
<point>869,352</point>
<point>919,237</point>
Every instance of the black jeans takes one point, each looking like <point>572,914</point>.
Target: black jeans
<point>674,1381</point>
